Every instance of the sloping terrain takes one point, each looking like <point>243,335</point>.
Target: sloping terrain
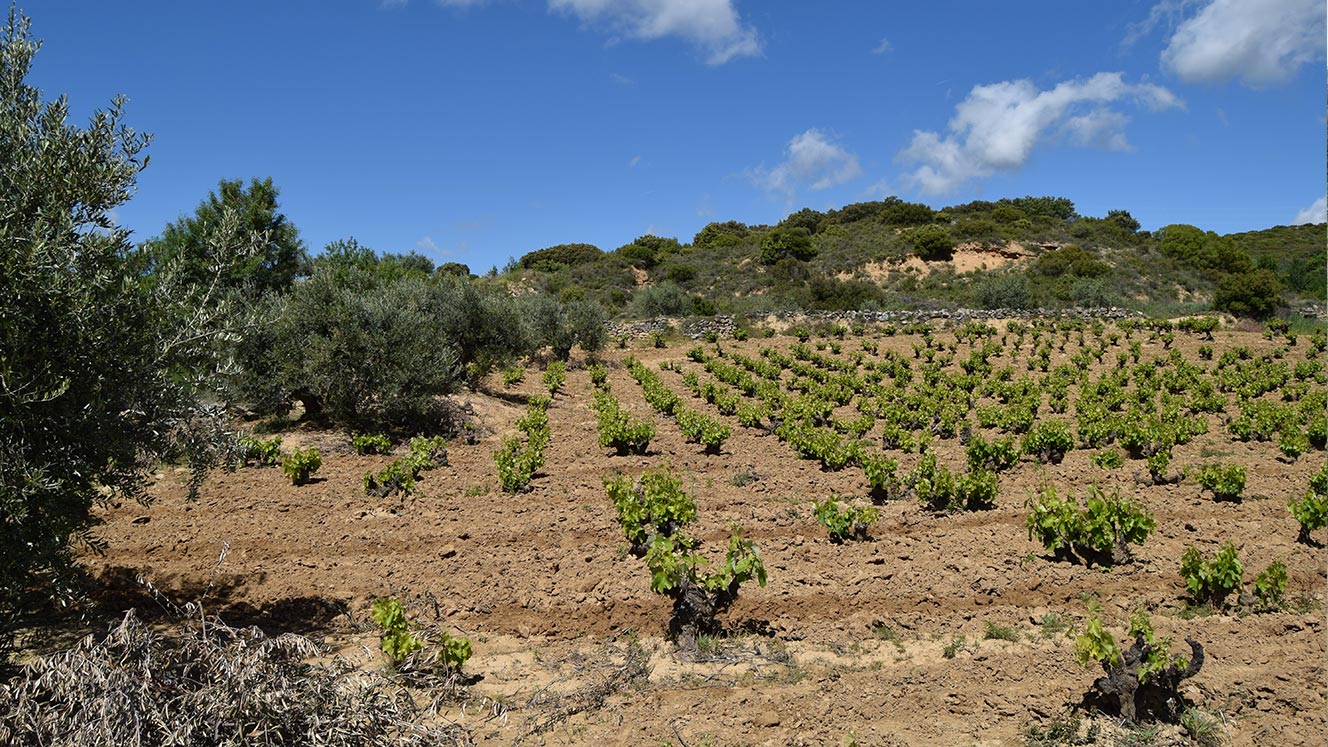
<point>881,641</point>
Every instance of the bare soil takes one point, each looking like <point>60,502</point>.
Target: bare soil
<point>967,257</point>
<point>847,641</point>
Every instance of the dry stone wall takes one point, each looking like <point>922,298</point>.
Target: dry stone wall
<point>699,327</point>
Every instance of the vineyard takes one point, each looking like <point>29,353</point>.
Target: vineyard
<point>926,533</point>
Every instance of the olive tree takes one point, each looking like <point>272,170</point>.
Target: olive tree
<point>101,374</point>
<point>561,326</point>
<point>364,348</point>
<point>351,346</point>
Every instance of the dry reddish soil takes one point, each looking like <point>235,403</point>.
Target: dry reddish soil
<point>846,642</point>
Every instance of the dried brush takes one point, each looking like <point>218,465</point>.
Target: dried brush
<point>208,684</point>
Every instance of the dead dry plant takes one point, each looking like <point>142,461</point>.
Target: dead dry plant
<point>556,708</point>
<point>207,683</point>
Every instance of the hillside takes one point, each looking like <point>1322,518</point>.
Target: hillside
<point>1031,252</point>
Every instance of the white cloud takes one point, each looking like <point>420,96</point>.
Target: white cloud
<point>811,160</point>
<point>1261,42</point>
<point>1100,128</point>
<point>878,191</point>
<point>427,246</point>
<point>632,163</point>
<point>1315,213</point>
<point>1167,12</point>
<point>883,47</point>
<point>996,127</point>
<point>705,209</point>
<point>713,25</point>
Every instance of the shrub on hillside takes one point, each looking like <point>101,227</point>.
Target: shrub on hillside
<point>1069,260</point>
<point>790,243</point>
<point>561,326</point>
<point>716,235</point>
<point>1007,291</point>
<point>806,218</point>
<point>1252,294</point>
<point>664,299</point>
<point>1202,249</point>
<point>900,213</point>
<point>932,242</point>
<point>561,255</point>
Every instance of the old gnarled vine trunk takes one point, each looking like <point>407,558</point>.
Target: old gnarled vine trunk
<point>1157,697</point>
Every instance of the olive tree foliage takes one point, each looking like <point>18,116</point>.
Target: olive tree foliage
<point>362,345</point>
<point>349,346</point>
<point>562,325</point>
<point>101,373</point>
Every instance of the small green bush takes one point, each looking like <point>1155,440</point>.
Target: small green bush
<point>397,640</point>
<point>516,465</point>
<point>932,482</point>
<point>516,461</point>
<point>367,444</point>
<point>1211,581</point>
<point>652,512</point>
<point>427,452</point>
<point>1109,459</point>
<point>997,632</point>
<point>397,477</point>
<point>880,473</point>
<point>851,522</point>
<point>699,594</point>
<point>653,504</point>
<point>555,376</point>
<point>703,429</point>
<point>617,428</point>
<point>263,451</point>
<point>1270,586</point>
<point>300,464</point>
<point>1312,510</point>
<point>996,455</point>
<point>1312,513</point>
<point>1145,679</point>
<point>976,490</point>
<point>1049,441</point>
<point>424,453</point>
<point>513,376</point>
<point>1226,481</point>
<point>1100,532</point>
<point>599,376</point>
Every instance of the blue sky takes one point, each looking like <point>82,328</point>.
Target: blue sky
<point>475,130</point>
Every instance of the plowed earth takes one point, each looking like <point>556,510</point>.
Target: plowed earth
<point>847,641</point>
